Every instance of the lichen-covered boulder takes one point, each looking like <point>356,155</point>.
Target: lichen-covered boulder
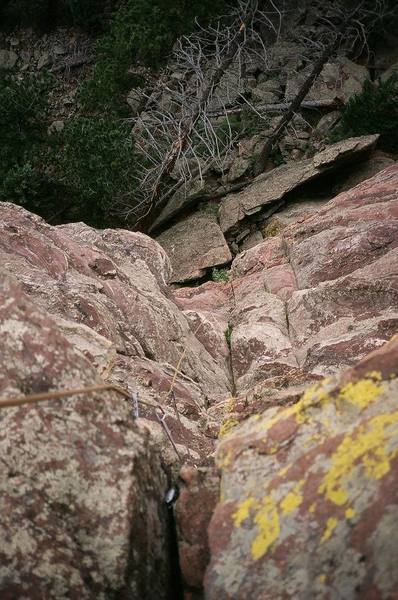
<point>81,484</point>
<point>309,500</point>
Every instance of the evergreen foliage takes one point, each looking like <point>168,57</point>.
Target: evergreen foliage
<point>140,30</point>
<point>97,164</point>
<point>374,110</point>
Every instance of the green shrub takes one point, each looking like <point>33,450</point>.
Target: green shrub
<point>220,274</point>
<point>375,110</point>
<point>23,111</point>
<point>24,138</point>
<point>140,30</point>
<point>97,164</point>
<point>228,335</point>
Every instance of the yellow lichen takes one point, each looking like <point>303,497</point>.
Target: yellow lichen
<point>243,511</point>
<point>350,513</point>
<point>331,525</point>
<point>376,375</point>
<point>293,499</point>
<point>229,405</point>
<point>367,447</point>
<point>322,578</point>
<point>224,459</point>
<point>265,516</point>
<point>226,426</point>
<point>271,229</point>
<point>267,520</point>
<point>361,393</point>
<point>284,470</point>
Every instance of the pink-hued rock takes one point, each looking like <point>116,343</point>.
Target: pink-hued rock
<point>272,187</point>
<point>108,292</point>
<point>195,506</point>
<point>332,279</point>
<point>81,484</point>
<point>309,501</point>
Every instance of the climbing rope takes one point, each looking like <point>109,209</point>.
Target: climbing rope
<point>132,397</point>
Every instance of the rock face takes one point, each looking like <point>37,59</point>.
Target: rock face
<point>193,245</point>
<point>342,79</point>
<point>308,503</point>
<point>81,484</point>
<point>272,187</point>
<point>311,300</point>
<point>107,291</point>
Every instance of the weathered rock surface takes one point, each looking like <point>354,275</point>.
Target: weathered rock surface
<point>275,185</point>
<point>195,506</point>
<point>194,244</point>
<point>309,301</point>
<point>309,500</point>
<point>81,484</point>
<point>341,79</point>
<point>107,290</point>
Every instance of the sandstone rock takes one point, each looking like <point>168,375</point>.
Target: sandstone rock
<point>273,186</point>
<point>81,485</point>
<point>186,197</point>
<point>194,508</point>
<point>267,91</point>
<point>342,79</point>
<point>309,505</point>
<point>325,124</point>
<point>336,270</point>
<point>194,244</point>
<point>376,163</point>
<point>113,284</point>
<point>239,167</point>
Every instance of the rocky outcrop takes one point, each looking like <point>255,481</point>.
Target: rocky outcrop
<point>194,244</point>
<point>107,292</point>
<point>316,296</point>
<point>312,299</point>
<point>81,484</point>
<point>308,504</point>
<point>272,187</point>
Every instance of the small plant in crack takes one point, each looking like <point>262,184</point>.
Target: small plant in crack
<point>228,335</point>
<point>220,274</point>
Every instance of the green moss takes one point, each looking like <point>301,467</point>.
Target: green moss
<point>220,274</point>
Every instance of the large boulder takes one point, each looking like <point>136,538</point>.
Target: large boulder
<point>195,244</point>
<point>81,484</point>
<point>309,502</point>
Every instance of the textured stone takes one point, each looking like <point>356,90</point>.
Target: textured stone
<point>81,484</point>
<point>309,505</point>
<point>339,80</point>
<point>194,244</point>
<point>198,498</point>
<point>107,291</point>
<point>271,187</point>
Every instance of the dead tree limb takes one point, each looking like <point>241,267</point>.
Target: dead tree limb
<point>355,26</point>
<point>156,202</point>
